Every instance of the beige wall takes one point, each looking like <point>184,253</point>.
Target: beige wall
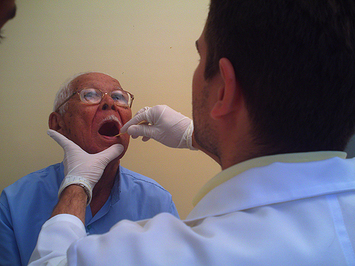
<point>148,45</point>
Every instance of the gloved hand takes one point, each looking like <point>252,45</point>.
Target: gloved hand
<point>80,167</point>
<point>165,125</point>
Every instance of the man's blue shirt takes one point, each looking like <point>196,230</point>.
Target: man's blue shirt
<point>28,203</point>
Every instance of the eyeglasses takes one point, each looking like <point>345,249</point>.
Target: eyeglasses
<point>91,96</point>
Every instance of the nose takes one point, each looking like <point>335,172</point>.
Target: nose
<point>107,102</point>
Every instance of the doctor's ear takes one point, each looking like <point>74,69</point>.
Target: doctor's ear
<point>55,121</point>
<point>229,93</point>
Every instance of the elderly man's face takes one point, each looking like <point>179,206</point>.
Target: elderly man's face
<point>93,127</point>
<point>7,11</point>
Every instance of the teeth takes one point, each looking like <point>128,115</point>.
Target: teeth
<point>112,118</point>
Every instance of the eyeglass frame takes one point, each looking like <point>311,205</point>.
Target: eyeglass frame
<point>103,95</point>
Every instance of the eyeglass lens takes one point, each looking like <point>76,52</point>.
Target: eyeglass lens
<point>94,96</point>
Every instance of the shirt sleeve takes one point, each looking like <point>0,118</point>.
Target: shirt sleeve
<point>57,234</point>
<point>9,254</point>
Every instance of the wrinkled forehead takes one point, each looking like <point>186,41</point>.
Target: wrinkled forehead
<point>95,80</point>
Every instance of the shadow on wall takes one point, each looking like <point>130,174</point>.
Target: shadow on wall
<point>350,149</point>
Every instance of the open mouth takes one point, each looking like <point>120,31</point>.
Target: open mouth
<point>109,129</point>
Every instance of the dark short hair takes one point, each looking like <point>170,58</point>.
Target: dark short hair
<point>294,60</point>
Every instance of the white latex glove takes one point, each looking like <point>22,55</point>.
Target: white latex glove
<point>166,126</point>
<point>80,167</point>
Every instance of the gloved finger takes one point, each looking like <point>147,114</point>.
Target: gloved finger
<point>59,138</point>
<point>144,109</point>
<point>110,153</point>
<point>134,121</point>
<point>143,130</point>
<point>139,117</point>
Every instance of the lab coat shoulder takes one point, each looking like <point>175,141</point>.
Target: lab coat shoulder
<point>282,214</point>
<point>260,218</point>
<point>245,237</point>
<point>162,240</point>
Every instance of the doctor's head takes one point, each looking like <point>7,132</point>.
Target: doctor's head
<point>294,62</point>
<point>90,110</point>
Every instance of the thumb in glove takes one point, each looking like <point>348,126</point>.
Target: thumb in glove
<point>81,167</point>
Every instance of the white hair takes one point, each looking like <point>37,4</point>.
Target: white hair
<point>65,91</point>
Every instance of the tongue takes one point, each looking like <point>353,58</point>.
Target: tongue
<point>109,129</point>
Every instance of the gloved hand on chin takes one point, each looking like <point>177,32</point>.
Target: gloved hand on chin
<point>164,124</point>
<point>80,167</point>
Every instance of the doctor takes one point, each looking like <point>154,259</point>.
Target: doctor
<point>273,104</point>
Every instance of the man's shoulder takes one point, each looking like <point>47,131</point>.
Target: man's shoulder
<point>139,178</point>
<point>139,190</point>
<point>49,176</point>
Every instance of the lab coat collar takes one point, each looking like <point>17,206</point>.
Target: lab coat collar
<point>275,179</point>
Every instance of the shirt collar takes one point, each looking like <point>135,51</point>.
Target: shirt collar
<point>263,161</point>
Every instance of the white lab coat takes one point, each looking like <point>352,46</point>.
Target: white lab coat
<point>280,214</point>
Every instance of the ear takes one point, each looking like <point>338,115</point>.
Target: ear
<point>55,121</point>
<point>229,93</point>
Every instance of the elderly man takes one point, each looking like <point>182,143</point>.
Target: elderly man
<point>90,110</point>
<point>273,104</point>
